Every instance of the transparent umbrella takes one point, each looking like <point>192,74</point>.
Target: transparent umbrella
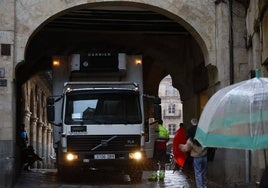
<point>236,117</point>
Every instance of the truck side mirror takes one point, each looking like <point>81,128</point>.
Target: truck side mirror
<point>157,108</point>
<point>157,112</point>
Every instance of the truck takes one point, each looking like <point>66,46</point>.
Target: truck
<point>102,119</point>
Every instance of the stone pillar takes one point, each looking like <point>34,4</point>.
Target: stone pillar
<point>33,132</point>
<point>32,135</point>
<point>49,148</point>
<point>39,141</point>
<point>44,153</point>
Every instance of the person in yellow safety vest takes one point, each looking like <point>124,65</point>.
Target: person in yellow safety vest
<point>163,132</point>
<point>160,149</point>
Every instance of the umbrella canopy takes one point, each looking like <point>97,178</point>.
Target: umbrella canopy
<point>236,117</point>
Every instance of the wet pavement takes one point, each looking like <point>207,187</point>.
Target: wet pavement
<point>48,178</point>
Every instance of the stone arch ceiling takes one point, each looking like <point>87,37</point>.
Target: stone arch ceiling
<point>117,27</point>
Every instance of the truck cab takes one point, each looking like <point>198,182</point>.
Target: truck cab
<point>107,125</point>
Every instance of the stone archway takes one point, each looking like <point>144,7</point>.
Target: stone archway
<point>203,35</point>
<point>31,16</point>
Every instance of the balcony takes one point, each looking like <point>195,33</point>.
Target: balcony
<point>176,114</point>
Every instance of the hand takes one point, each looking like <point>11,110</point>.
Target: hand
<point>182,147</point>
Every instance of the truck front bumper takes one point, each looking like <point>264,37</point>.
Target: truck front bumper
<point>103,161</point>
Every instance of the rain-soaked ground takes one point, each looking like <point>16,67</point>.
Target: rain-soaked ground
<point>48,178</point>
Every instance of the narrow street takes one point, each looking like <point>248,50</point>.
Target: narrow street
<point>48,178</point>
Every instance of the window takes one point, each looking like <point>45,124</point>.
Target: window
<point>5,49</point>
<point>172,129</point>
<point>102,107</point>
<point>171,108</point>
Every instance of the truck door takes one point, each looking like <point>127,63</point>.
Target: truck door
<point>150,125</point>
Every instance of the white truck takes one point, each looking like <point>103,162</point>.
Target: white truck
<point>102,119</point>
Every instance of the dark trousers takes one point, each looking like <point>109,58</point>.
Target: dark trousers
<point>160,156</point>
<point>29,160</point>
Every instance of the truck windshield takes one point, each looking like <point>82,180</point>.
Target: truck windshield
<point>102,107</point>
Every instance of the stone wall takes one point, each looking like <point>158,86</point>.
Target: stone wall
<point>7,96</point>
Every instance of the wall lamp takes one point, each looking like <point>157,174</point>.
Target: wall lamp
<point>138,61</point>
<point>56,62</point>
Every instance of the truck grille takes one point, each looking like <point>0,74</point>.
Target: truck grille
<point>103,143</point>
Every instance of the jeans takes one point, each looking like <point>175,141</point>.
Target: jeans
<point>200,169</point>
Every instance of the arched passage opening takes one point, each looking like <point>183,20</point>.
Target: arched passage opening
<point>166,47</point>
<point>164,39</point>
<point>172,107</point>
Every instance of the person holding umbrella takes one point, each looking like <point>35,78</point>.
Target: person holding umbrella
<point>191,131</point>
<point>199,155</point>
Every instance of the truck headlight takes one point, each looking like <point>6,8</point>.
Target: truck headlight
<point>135,155</point>
<point>71,157</point>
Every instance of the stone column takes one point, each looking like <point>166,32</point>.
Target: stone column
<point>44,153</point>
<point>49,148</point>
<point>32,135</point>
<point>39,141</point>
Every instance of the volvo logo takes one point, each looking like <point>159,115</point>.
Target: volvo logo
<point>104,143</point>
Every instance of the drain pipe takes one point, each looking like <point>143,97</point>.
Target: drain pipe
<point>231,42</point>
<point>231,58</point>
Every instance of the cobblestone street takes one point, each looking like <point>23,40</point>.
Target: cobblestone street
<point>48,178</point>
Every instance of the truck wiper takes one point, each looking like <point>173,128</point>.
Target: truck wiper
<point>124,121</point>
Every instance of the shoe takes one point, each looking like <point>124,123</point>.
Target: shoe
<point>153,176</point>
<point>161,175</point>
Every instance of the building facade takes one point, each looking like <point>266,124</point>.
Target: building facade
<point>171,105</point>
